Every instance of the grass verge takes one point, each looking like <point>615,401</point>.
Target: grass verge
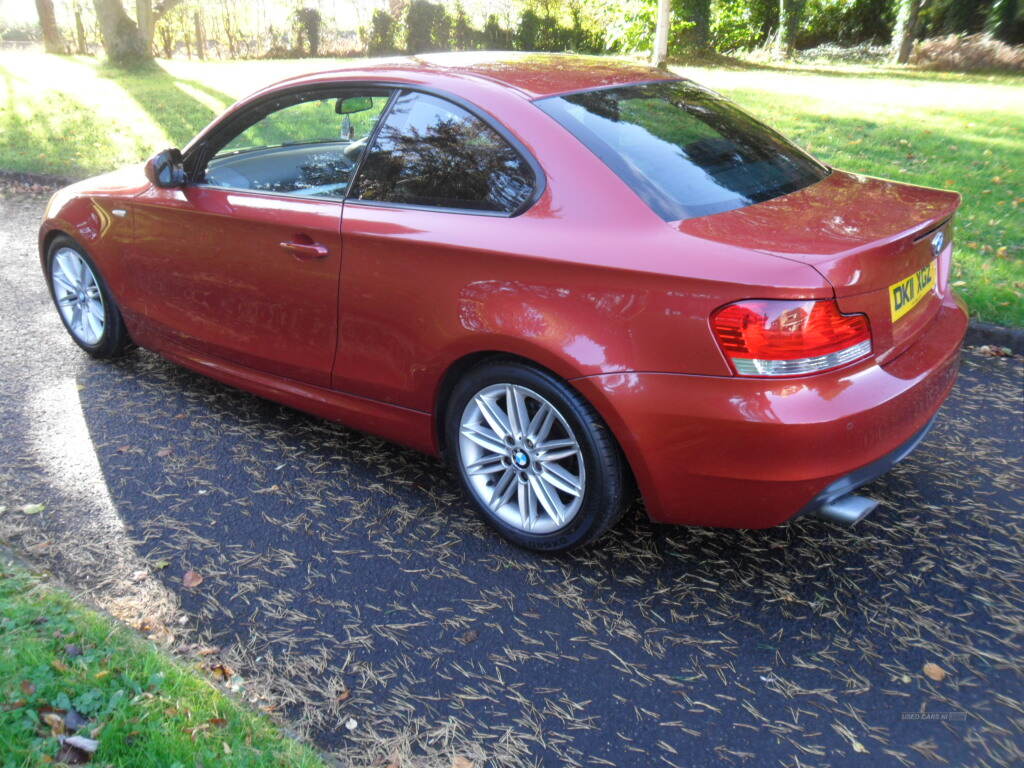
<point>72,116</point>
<point>67,671</point>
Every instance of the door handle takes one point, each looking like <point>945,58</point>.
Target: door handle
<point>306,250</point>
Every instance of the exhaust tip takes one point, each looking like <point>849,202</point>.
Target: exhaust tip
<point>846,510</point>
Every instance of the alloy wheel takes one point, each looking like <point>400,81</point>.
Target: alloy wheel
<point>78,296</point>
<point>521,458</point>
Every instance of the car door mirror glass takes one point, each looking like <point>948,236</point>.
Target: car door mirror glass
<point>164,169</point>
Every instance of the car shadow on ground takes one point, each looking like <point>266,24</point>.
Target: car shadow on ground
<point>344,577</point>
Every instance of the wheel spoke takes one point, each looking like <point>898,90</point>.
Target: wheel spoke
<point>60,277</point>
<point>548,499</point>
<point>483,437</point>
<point>504,489</point>
<point>493,416</point>
<point>517,415</point>
<point>486,465</point>
<point>556,450</point>
<point>527,506</point>
<point>66,301</point>
<point>561,479</point>
<point>541,423</point>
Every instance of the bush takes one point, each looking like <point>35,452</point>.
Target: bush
<point>427,27</point>
<point>380,39</point>
<point>970,53</point>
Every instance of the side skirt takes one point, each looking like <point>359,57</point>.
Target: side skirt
<point>404,426</point>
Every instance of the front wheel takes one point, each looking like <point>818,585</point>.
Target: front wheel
<point>83,300</point>
<point>541,465</point>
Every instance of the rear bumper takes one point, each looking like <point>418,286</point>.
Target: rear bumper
<point>751,453</point>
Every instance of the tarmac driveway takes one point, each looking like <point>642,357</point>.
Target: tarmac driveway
<point>347,586</point>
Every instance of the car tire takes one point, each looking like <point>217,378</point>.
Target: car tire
<point>83,300</point>
<point>570,481</point>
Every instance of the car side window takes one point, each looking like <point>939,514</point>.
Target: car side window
<point>310,147</point>
<point>431,152</point>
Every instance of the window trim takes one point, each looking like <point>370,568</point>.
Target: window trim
<point>197,153</point>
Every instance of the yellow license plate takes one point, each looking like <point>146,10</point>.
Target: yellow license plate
<point>907,293</point>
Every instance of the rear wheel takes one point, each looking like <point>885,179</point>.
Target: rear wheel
<point>538,461</point>
<point>83,301</point>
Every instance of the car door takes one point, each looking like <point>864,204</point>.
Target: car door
<point>434,199</point>
<point>243,262</point>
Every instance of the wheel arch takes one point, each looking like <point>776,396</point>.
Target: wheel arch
<point>468,362</point>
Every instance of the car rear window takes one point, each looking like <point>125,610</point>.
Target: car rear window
<point>685,150</point>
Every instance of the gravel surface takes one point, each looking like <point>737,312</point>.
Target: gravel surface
<point>348,588</point>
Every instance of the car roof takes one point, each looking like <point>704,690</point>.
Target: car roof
<point>533,75</point>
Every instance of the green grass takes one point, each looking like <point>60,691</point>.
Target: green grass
<point>145,709</point>
<point>72,116</point>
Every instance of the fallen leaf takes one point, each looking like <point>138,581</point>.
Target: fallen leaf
<point>993,350</point>
<point>192,579</point>
<point>139,575</point>
<point>461,762</point>
<point>32,509</point>
<point>227,749</point>
<point>469,636</point>
<point>159,565</point>
<point>28,687</point>
<point>351,724</point>
<point>55,721</point>
<point>82,743</point>
<point>222,672</point>
<point>164,452</point>
<point>935,672</point>
<point>72,650</point>
<point>343,696</point>
<point>59,665</point>
<point>218,722</point>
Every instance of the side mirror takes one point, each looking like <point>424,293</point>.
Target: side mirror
<point>164,169</point>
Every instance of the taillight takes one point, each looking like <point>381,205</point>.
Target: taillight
<point>763,337</point>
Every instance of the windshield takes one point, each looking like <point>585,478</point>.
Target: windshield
<point>685,150</point>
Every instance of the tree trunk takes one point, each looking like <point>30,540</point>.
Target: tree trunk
<point>83,47</point>
<point>904,30</point>
<point>700,15</point>
<point>790,15</point>
<point>661,33</point>
<point>51,32</point>
<point>124,45</point>
<point>200,37</point>
<point>144,17</point>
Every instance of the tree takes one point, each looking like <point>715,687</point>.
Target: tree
<point>123,42</point>
<point>52,41</point>
<point>380,39</point>
<point>904,30</point>
<point>1002,20</point>
<point>661,33</point>
<point>790,14</point>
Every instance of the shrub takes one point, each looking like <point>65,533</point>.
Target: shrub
<point>969,53</point>
<point>380,38</point>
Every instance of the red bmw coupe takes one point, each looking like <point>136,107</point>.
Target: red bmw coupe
<point>565,274</point>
